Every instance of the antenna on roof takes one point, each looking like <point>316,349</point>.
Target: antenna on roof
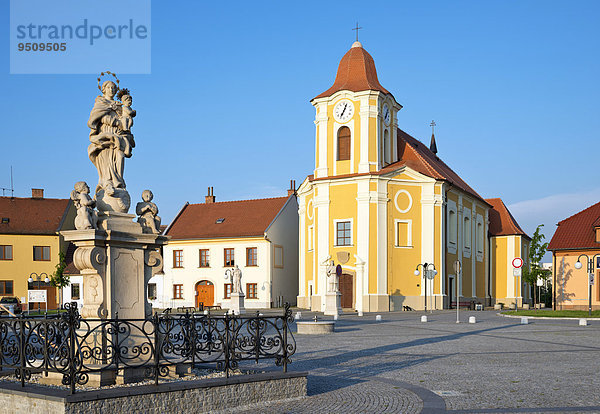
<point>12,188</point>
<point>432,146</point>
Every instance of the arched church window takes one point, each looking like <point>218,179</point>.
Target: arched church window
<point>343,143</point>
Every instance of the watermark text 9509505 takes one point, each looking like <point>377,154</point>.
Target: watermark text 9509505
<point>61,37</point>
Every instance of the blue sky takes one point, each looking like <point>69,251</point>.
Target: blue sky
<point>512,85</point>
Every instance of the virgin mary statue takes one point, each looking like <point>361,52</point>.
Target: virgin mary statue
<point>111,143</point>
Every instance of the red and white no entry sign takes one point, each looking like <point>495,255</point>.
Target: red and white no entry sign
<point>517,262</point>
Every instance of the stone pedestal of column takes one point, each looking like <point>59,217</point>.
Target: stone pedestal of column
<point>116,261</point>
<point>333,303</point>
<point>236,303</point>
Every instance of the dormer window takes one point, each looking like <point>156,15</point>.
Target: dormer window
<point>5,220</point>
<point>220,220</point>
<point>597,229</point>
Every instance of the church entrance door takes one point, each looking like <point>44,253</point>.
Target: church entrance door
<point>346,289</point>
<point>205,293</point>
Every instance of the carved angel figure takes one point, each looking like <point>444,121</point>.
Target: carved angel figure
<point>148,213</point>
<point>86,217</point>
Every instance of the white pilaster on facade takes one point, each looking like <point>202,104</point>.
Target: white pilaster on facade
<point>321,205</point>
<point>361,283</point>
<point>363,165</point>
<point>459,241</point>
<point>428,231</point>
<point>380,197</point>
<point>362,238</point>
<point>440,202</point>
<point>474,250</point>
<point>302,246</point>
<point>487,258</point>
<point>321,140</point>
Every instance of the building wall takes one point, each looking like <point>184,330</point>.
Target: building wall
<point>572,284</point>
<point>283,232</point>
<point>22,264</point>
<point>191,273</point>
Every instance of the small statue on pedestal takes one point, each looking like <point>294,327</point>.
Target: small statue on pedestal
<point>148,213</point>
<point>236,280</point>
<point>332,277</point>
<point>86,217</point>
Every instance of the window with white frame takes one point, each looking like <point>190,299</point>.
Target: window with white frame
<point>452,227</point>
<point>480,239</point>
<point>467,232</point>
<point>343,233</point>
<point>403,233</point>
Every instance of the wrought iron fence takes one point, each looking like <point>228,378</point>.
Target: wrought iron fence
<point>77,347</point>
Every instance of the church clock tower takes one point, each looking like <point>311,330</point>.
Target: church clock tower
<point>355,120</point>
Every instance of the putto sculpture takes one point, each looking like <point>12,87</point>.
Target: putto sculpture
<point>111,141</point>
<point>148,213</point>
<point>86,216</point>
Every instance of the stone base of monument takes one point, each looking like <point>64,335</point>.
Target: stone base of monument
<point>315,328</point>
<point>236,303</point>
<point>105,378</point>
<point>204,395</point>
<point>333,303</point>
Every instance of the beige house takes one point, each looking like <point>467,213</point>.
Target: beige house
<point>207,239</point>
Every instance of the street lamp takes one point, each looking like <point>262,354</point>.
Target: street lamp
<point>429,272</point>
<point>590,269</point>
<point>38,278</point>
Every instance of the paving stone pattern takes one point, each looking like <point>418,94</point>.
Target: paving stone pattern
<point>401,365</point>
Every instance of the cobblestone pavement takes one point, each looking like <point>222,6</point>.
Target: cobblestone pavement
<point>401,365</point>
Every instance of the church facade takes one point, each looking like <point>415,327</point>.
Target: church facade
<point>380,202</point>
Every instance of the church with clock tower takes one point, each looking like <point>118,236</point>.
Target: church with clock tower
<point>380,202</point>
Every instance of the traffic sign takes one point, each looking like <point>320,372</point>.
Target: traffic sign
<point>591,279</point>
<point>517,272</point>
<point>517,262</point>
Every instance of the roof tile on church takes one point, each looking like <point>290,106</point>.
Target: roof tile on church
<point>243,218</point>
<point>502,222</point>
<point>356,72</point>
<point>32,215</point>
<point>577,231</point>
<point>415,155</point>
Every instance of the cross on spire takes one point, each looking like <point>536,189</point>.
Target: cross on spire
<point>432,145</point>
<point>357,28</point>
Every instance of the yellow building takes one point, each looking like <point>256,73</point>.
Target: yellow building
<point>30,242</point>
<point>577,238</point>
<point>380,202</point>
<point>507,241</point>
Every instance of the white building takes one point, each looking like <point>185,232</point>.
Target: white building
<point>73,292</point>
<point>260,236</point>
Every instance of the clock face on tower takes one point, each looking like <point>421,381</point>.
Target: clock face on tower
<point>343,111</point>
<point>386,114</point>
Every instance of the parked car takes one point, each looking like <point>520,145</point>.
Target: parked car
<point>9,301</point>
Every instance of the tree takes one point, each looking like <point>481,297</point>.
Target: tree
<point>534,271</point>
<point>58,278</point>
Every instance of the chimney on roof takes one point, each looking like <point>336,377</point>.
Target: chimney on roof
<point>37,193</point>
<point>292,189</point>
<point>210,198</point>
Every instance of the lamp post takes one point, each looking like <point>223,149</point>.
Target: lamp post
<point>429,272</point>
<point>590,269</point>
<point>38,278</point>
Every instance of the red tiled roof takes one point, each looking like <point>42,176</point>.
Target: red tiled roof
<point>577,231</point>
<point>502,222</point>
<point>242,219</point>
<point>417,156</point>
<point>32,215</point>
<point>356,72</point>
